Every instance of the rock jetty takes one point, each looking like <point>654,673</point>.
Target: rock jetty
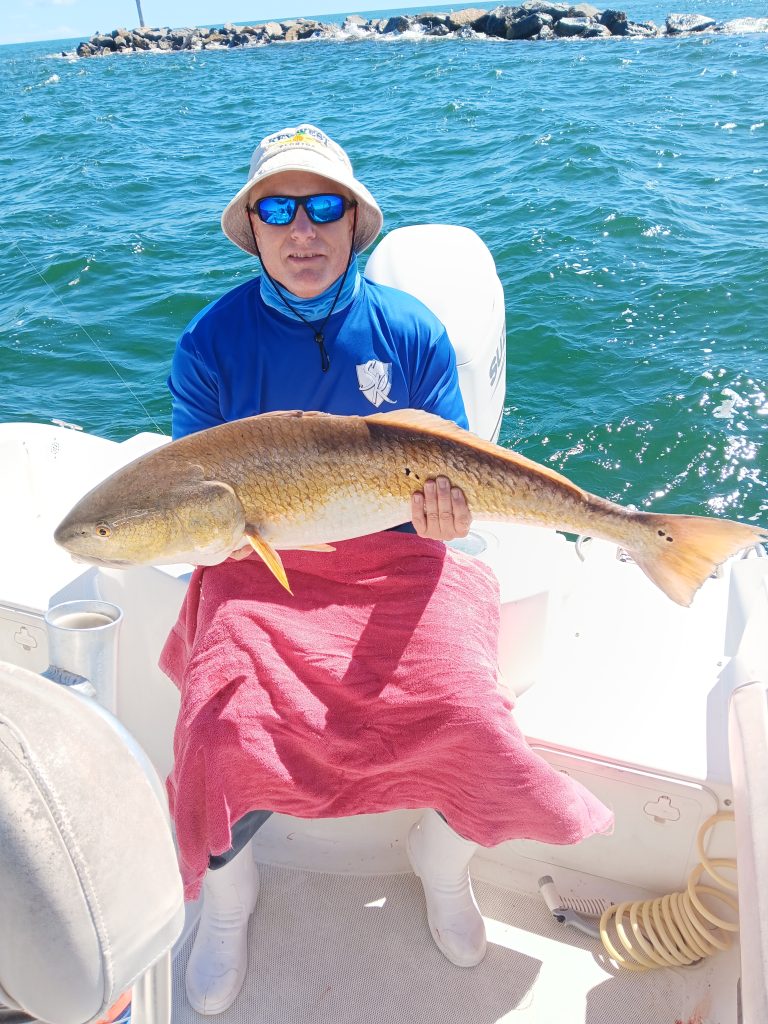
<point>533,20</point>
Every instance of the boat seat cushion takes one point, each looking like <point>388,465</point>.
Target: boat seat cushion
<point>90,892</point>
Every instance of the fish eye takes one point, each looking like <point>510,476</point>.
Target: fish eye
<point>103,530</point>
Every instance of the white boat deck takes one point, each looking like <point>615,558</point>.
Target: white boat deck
<point>354,949</point>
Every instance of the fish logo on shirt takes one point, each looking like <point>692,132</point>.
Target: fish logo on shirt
<point>375,380</point>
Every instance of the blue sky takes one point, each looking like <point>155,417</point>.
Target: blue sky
<point>27,20</point>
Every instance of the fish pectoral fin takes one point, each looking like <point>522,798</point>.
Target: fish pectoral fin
<point>269,556</point>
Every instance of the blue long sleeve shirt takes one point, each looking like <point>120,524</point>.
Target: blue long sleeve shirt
<point>240,357</point>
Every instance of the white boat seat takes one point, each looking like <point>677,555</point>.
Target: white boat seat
<point>90,892</point>
<point>748,746</point>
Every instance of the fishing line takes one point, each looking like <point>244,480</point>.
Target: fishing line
<point>92,340</point>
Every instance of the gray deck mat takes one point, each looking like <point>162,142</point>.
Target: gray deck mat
<point>346,949</point>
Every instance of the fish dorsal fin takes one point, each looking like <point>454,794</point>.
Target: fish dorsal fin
<point>283,414</point>
<point>428,423</point>
<point>418,419</point>
<point>297,414</point>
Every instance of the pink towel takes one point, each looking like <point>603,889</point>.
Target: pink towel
<point>373,688</point>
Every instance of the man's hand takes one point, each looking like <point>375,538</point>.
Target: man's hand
<point>441,511</point>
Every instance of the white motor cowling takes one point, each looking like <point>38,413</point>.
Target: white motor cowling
<point>90,891</point>
<point>451,270</point>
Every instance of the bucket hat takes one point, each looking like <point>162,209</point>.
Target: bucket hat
<point>304,148</point>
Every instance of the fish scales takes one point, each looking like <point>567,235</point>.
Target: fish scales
<point>292,468</point>
<point>311,481</point>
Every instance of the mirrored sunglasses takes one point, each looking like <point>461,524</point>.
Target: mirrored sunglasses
<point>322,208</point>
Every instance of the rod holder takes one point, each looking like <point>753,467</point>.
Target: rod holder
<point>82,644</point>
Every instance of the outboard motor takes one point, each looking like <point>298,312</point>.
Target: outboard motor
<point>451,270</point>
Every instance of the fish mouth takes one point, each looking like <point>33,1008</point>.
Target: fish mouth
<point>102,563</point>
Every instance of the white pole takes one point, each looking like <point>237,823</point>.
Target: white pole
<point>141,16</point>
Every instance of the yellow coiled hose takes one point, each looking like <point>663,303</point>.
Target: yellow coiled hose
<point>674,930</point>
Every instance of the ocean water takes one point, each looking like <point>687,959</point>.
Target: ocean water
<point>621,186</point>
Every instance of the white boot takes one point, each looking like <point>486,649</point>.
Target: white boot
<point>219,957</point>
<point>441,859</point>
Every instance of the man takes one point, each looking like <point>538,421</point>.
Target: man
<point>389,707</point>
<point>310,279</point>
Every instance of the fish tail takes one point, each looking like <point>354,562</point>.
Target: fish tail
<point>680,552</point>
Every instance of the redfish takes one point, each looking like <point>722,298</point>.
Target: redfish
<point>306,479</point>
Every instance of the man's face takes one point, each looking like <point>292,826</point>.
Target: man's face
<point>303,257</point>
